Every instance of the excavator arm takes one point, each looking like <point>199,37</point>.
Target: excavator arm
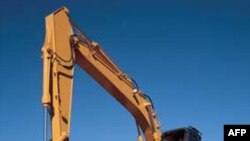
<point>66,46</point>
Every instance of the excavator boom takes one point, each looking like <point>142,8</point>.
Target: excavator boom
<point>66,46</point>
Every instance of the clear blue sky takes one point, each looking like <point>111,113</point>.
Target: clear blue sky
<point>192,57</point>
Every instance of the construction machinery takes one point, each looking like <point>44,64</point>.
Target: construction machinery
<point>65,45</point>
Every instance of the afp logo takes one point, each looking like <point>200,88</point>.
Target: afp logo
<point>236,132</point>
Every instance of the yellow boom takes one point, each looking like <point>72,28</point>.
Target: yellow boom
<point>66,46</point>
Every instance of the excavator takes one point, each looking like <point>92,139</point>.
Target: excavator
<point>65,46</point>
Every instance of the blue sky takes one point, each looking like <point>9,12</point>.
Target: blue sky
<point>192,57</point>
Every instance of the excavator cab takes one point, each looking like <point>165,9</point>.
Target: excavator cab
<point>182,134</point>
